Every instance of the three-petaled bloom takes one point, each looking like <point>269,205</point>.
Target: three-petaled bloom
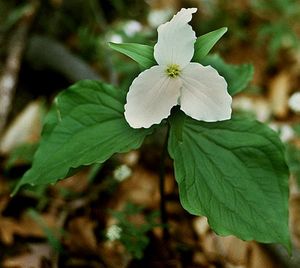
<point>199,90</point>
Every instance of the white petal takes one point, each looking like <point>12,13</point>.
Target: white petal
<point>176,38</point>
<point>150,98</point>
<point>294,102</point>
<point>204,94</point>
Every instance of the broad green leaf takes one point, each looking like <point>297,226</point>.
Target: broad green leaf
<point>90,128</point>
<point>69,99</point>
<point>205,43</point>
<point>236,76</point>
<point>142,54</point>
<point>234,173</point>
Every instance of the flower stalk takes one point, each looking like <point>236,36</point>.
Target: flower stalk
<point>162,175</point>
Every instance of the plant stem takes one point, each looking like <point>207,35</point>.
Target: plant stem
<point>162,173</point>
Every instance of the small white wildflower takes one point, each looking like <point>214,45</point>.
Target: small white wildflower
<point>122,172</point>
<point>132,27</point>
<point>294,102</point>
<point>256,106</point>
<point>199,90</point>
<point>116,38</point>
<point>286,133</point>
<point>114,232</point>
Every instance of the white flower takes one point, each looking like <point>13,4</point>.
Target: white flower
<point>199,90</point>
<point>122,173</point>
<point>286,132</point>
<point>132,27</point>
<point>294,102</point>
<point>115,38</point>
<point>114,232</point>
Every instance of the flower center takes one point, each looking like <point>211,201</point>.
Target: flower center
<point>173,70</point>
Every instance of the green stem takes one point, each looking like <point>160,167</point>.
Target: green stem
<point>162,173</point>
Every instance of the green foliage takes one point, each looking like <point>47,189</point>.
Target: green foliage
<point>85,126</point>
<point>236,76</point>
<point>287,8</point>
<point>219,13</point>
<point>279,35</point>
<point>233,172</point>
<point>142,54</point>
<point>89,44</point>
<point>134,236</point>
<point>205,43</point>
<point>281,31</point>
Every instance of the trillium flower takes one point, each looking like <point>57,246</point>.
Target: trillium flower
<point>199,90</point>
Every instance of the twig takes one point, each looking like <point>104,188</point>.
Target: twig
<point>9,76</point>
<point>58,58</point>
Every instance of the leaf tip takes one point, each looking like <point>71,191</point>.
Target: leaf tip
<point>15,190</point>
<point>111,44</point>
<point>287,244</point>
<point>114,46</point>
<point>224,29</point>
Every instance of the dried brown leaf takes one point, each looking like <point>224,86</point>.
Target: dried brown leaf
<point>32,259</point>
<point>25,227</point>
<point>81,236</point>
<point>141,188</point>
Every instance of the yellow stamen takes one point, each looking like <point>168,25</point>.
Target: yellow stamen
<point>173,70</point>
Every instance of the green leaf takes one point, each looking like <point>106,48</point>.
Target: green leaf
<point>90,128</point>
<point>234,173</point>
<point>236,76</point>
<point>205,43</point>
<point>142,54</point>
<point>66,101</point>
